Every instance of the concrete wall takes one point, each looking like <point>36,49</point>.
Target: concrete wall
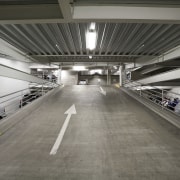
<point>98,79</point>
<point>22,66</point>
<point>69,77</point>
<point>94,79</point>
<point>10,85</point>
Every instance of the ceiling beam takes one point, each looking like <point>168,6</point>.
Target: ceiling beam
<point>46,59</point>
<point>13,13</point>
<point>64,12</point>
<point>66,9</point>
<point>136,14</point>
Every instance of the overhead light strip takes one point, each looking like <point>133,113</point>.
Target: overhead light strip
<point>91,37</point>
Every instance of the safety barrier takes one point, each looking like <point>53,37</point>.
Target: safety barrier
<point>12,102</point>
<point>167,100</point>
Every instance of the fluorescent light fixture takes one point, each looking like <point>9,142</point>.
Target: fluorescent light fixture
<point>115,67</point>
<point>96,71</point>
<point>39,69</point>
<point>91,40</point>
<point>92,26</point>
<point>79,68</point>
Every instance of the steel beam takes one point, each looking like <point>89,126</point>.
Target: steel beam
<point>65,8</point>
<point>30,12</point>
<point>64,13</point>
<point>159,14</point>
<point>46,60</point>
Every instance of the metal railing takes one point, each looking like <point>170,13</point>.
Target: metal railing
<point>166,99</point>
<point>12,102</point>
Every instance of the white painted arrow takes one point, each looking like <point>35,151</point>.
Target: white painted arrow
<point>69,112</point>
<point>102,91</point>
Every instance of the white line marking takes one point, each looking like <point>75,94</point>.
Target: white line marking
<point>70,111</point>
<point>102,91</point>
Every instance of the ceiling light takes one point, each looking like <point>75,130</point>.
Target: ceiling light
<point>91,40</point>
<point>115,67</point>
<point>79,68</point>
<point>92,26</point>
<point>91,37</point>
<point>96,71</point>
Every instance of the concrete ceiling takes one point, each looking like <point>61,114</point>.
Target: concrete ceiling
<point>55,31</point>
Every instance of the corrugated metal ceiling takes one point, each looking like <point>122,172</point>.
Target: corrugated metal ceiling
<point>113,39</point>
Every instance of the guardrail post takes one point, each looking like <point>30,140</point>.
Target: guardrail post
<point>162,97</point>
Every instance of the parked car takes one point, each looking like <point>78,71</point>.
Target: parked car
<point>82,82</point>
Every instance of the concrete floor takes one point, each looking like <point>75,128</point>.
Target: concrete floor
<point>111,137</point>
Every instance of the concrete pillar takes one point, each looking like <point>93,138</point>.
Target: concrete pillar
<point>59,76</point>
<point>120,75</point>
<point>108,76</point>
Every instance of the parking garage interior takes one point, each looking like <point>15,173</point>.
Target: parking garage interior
<point>89,90</point>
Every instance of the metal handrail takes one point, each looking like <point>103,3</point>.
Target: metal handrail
<point>9,104</point>
<point>156,95</point>
<point>145,85</point>
<point>13,93</point>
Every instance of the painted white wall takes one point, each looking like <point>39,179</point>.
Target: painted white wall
<point>10,85</point>
<point>22,66</point>
<point>69,77</point>
<point>11,51</point>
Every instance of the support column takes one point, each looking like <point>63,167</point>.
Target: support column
<point>59,75</point>
<point>108,76</point>
<point>120,75</point>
